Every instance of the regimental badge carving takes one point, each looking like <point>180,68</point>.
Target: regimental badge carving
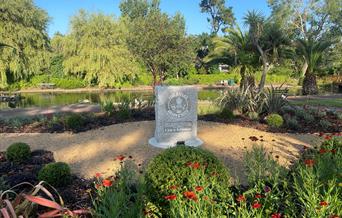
<point>178,105</point>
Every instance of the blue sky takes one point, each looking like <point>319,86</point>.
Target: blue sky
<point>61,10</point>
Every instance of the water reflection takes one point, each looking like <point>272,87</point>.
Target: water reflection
<point>58,99</point>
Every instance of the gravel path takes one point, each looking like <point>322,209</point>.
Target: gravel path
<point>95,151</point>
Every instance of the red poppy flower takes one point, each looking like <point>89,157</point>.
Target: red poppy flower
<point>240,198</point>
<point>173,187</point>
<point>190,195</point>
<point>256,205</point>
<point>334,216</point>
<point>199,188</point>
<point>195,165</point>
<point>258,196</point>
<point>309,162</point>
<point>98,175</point>
<point>276,215</point>
<point>327,137</point>
<point>107,183</point>
<point>170,197</point>
<point>322,151</point>
<point>120,157</point>
<point>321,134</point>
<point>323,203</point>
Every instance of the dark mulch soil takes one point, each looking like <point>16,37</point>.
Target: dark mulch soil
<point>75,196</point>
<point>99,120</point>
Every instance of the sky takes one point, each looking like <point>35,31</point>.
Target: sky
<point>60,11</point>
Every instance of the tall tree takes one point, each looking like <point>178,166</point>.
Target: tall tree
<point>24,40</point>
<point>160,42</point>
<point>309,21</point>
<point>96,50</point>
<point>220,16</point>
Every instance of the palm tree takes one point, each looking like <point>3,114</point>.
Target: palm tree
<point>311,52</point>
<point>236,48</point>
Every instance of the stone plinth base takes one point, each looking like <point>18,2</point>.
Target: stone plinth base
<point>195,142</point>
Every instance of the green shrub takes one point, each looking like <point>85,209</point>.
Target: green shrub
<point>300,113</point>
<point>108,107</point>
<point>292,123</point>
<point>181,169</point>
<point>308,118</point>
<point>18,152</point>
<point>321,113</point>
<point>274,120</point>
<point>3,184</point>
<point>56,174</point>
<point>325,124</point>
<point>74,122</point>
<point>226,114</point>
<point>253,115</point>
<point>339,115</point>
<point>288,109</point>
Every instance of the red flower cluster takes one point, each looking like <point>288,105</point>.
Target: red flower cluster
<point>194,165</point>
<point>170,197</point>
<point>107,183</point>
<point>199,188</point>
<point>323,203</point>
<point>256,205</point>
<point>258,196</point>
<point>309,162</point>
<point>120,157</point>
<point>276,215</point>
<point>98,175</point>
<point>190,195</point>
<point>241,198</point>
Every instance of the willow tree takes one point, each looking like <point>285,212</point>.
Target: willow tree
<point>96,50</point>
<point>24,41</point>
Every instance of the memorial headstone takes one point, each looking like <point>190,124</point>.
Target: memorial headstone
<point>176,116</point>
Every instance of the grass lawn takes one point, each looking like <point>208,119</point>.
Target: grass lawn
<point>333,102</point>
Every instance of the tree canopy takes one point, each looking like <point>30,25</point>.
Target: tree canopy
<point>96,50</point>
<point>24,40</point>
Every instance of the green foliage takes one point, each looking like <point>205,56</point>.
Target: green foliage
<point>74,122</point>
<point>18,152</point>
<point>292,123</point>
<point>227,114</point>
<point>274,101</point>
<point>124,198</point>
<point>159,41</point>
<point>56,174</point>
<point>253,115</point>
<point>325,124</point>
<point>23,31</point>
<point>219,15</point>
<point>181,169</point>
<point>3,184</point>
<point>288,109</point>
<point>104,59</point>
<point>274,120</point>
<point>308,118</point>
<point>260,166</point>
<point>56,66</point>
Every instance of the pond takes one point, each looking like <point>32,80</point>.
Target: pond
<point>58,99</point>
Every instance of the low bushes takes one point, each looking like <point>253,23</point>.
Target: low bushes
<point>74,122</point>
<point>56,174</point>
<point>274,120</point>
<point>191,182</point>
<point>18,152</point>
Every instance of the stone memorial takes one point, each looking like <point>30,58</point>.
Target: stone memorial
<point>176,116</point>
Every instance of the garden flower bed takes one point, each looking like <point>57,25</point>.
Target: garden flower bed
<point>185,181</point>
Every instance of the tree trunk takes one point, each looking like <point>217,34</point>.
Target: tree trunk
<point>304,68</point>
<point>310,84</point>
<point>247,81</point>
<point>263,76</point>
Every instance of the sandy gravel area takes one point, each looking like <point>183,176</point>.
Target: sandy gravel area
<point>95,150</point>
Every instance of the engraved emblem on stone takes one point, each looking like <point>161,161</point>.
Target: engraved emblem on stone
<point>178,105</point>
